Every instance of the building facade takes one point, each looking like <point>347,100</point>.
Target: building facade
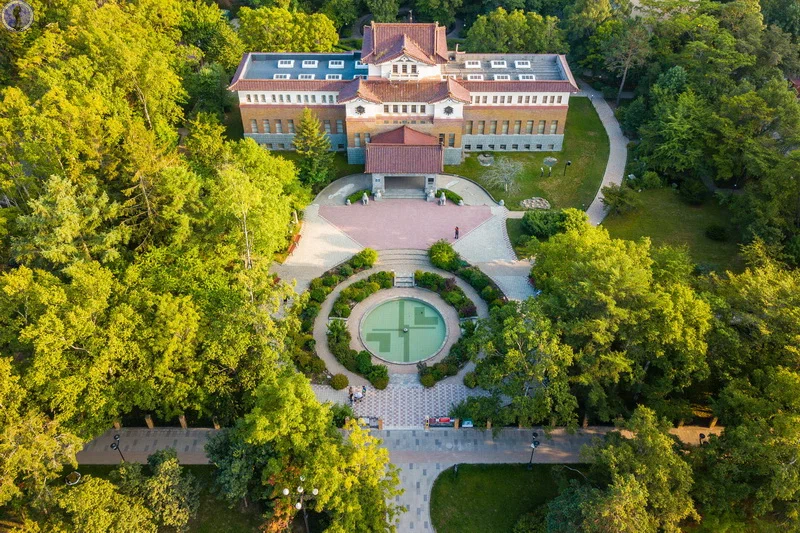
<point>405,76</point>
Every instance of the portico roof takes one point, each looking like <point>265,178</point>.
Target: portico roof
<point>383,90</point>
<point>404,151</point>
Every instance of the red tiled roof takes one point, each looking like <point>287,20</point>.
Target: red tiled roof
<point>288,85</point>
<point>405,135</point>
<point>383,90</point>
<point>563,86</point>
<point>383,40</point>
<point>404,159</point>
<point>400,46</point>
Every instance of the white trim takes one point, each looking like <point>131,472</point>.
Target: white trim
<point>336,63</point>
<point>475,77</point>
<point>472,64</point>
<point>310,63</point>
<point>281,76</point>
<point>496,63</point>
<point>360,64</point>
<point>285,63</point>
<point>522,64</point>
<point>306,76</point>
<point>502,77</point>
<point>333,76</point>
<point>527,77</point>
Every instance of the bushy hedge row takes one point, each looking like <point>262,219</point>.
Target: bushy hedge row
<point>322,286</point>
<point>544,223</point>
<point>356,196</point>
<point>355,361</point>
<point>454,361</point>
<point>450,195</point>
<point>302,348</point>
<point>442,255</point>
<point>448,290</point>
<point>359,291</point>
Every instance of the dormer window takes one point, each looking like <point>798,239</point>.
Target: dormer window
<point>335,63</point>
<point>333,76</point>
<point>527,77</point>
<point>475,77</point>
<point>305,76</point>
<point>360,110</point>
<point>472,64</point>
<point>361,76</point>
<point>448,110</point>
<point>499,64</point>
<point>310,63</point>
<point>522,64</point>
<point>501,77</point>
<point>281,76</point>
<point>360,64</point>
<point>285,63</point>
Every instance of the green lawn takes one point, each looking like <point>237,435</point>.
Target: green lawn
<point>489,498</point>
<point>515,232</point>
<point>666,219</point>
<point>585,144</point>
<point>213,514</point>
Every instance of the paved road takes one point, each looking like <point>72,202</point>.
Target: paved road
<point>421,455</point>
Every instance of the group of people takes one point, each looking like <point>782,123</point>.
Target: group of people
<point>356,394</point>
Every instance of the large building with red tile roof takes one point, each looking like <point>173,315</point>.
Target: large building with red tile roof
<point>405,80</point>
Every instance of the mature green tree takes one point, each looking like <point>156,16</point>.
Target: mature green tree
<point>342,12</point>
<point>524,360</point>
<point>627,49</point>
<point>203,25</point>
<point>383,10</point>
<point>515,32</point>
<point>441,11</point>
<point>314,147</point>
<point>620,199</point>
<point>274,29</point>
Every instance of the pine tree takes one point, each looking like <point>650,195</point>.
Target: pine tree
<point>316,160</point>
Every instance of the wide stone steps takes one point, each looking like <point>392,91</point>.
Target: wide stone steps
<point>394,194</point>
<point>403,280</point>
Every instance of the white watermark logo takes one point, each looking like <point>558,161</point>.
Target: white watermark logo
<point>17,15</point>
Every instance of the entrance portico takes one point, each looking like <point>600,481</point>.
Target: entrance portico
<point>402,154</point>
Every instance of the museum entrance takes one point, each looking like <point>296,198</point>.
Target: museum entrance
<point>404,182</point>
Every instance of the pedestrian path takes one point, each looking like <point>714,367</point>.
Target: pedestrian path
<point>617,154</point>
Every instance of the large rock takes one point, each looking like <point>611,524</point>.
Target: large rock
<point>535,203</point>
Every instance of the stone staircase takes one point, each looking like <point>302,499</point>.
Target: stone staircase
<point>403,260</point>
<point>394,194</point>
<point>403,280</point>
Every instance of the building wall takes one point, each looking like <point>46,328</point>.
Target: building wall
<point>513,114</point>
<point>521,143</point>
<point>294,113</point>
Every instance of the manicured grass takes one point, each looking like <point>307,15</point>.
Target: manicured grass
<point>585,144</point>
<point>489,498</point>
<point>667,219</point>
<point>214,514</point>
<point>515,232</point>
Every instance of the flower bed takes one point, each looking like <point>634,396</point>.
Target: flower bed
<point>355,361</point>
<point>448,290</point>
<point>454,361</point>
<point>359,291</point>
<point>442,255</point>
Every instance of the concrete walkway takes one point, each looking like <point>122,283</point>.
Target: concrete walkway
<point>617,154</point>
<point>420,455</point>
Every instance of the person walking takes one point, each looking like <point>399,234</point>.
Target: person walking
<point>456,232</point>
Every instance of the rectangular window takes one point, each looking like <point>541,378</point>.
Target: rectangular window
<point>285,63</point>
<point>413,69</point>
<point>313,98</point>
<point>467,147</point>
<point>540,129</point>
<point>502,99</point>
<point>502,77</point>
<point>493,127</point>
<point>422,109</point>
<point>253,126</point>
<point>472,64</point>
<point>357,139</point>
<point>551,147</point>
<point>405,109</point>
<point>395,69</point>
<point>269,146</point>
<point>527,77</point>
<point>558,101</point>
<point>305,98</point>
<point>306,76</point>
<point>333,98</point>
<point>481,126</point>
<point>498,64</point>
<point>281,98</point>
<point>476,99</point>
<point>367,137</point>
<point>519,99</point>
<point>522,64</point>
<point>528,99</point>
<point>278,126</point>
<point>274,98</point>
<point>517,126</point>
<point>339,126</point>
<point>333,76</point>
<point>502,146</point>
<point>281,146</point>
<point>441,138</point>
<point>479,147</point>
<point>494,99</point>
<point>538,146</point>
<point>515,147</point>
<point>395,109</point>
<point>281,76</point>
<point>485,99</point>
<point>386,109</point>
<point>335,63</point>
<point>309,63</point>
<point>298,98</point>
<point>265,124</point>
<point>324,98</point>
<point>451,140</point>
<point>552,99</point>
<point>291,126</point>
<point>534,99</point>
<point>527,146</point>
<point>413,108</point>
<point>504,131</point>
<point>249,98</point>
<point>529,127</point>
<point>468,127</point>
<point>327,126</point>
<point>491,147</point>
<point>475,77</point>
<point>360,64</point>
<point>405,69</point>
<point>553,127</point>
<point>264,99</point>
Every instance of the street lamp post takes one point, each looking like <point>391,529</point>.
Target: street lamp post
<point>301,502</point>
<point>115,446</point>
<point>534,444</point>
<point>568,163</point>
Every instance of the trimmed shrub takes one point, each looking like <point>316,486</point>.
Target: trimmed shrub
<point>317,365</point>
<point>356,196</point>
<point>311,310</point>
<point>450,195</point>
<point>443,256</point>
<point>467,310</point>
<point>384,279</point>
<point>339,381</point>
<point>379,376</point>
<point>364,259</point>
<point>427,380</point>
<point>716,232</point>
<point>345,270</point>
<point>340,413</point>
<point>364,362</point>
<point>620,200</point>
<point>473,275</point>
<point>331,280</point>
<point>340,309</point>
<point>542,223</point>
<point>471,380</point>
<point>380,383</point>
<point>490,293</point>
<point>316,283</point>
<point>319,295</point>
